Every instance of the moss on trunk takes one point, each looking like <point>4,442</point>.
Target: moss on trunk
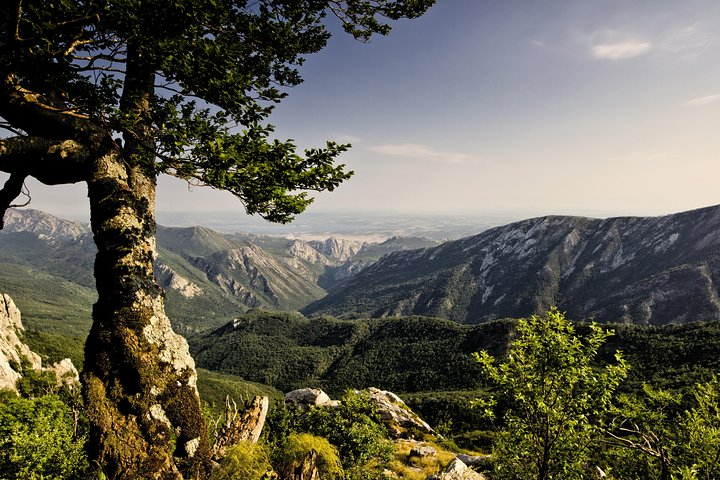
<point>139,378</point>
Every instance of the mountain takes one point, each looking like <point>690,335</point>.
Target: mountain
<point>209,277</point>
<point>644,270</point>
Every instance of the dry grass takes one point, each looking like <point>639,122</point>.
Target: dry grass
<point>418,468</point>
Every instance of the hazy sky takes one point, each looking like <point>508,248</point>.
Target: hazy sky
<point>552,106</point>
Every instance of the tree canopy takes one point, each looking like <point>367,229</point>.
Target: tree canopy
<point>192,82</point>
<point>113,93</point>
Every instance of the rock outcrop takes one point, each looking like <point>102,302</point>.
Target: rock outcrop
<point>401,419</point>
<point>13,352</point>
<point>12,349</point>
<point>457,470</point>
<point>169,278</point>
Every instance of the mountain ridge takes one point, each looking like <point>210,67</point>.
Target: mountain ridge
<point>622,269</point>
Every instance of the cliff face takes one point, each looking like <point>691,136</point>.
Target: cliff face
<point>645,270</point>
<point>13,351</point>
<point>11,347</point>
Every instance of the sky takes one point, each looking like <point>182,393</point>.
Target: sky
<point>582,107</point>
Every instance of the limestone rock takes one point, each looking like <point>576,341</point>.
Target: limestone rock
<point>308,397</point>
<point>169,278</point>
<point>457,470</point>
<point>474,460</point>
<point>422,451</point>
<point>401,418</point>
<point>65,372</point>
<point>11,348</point>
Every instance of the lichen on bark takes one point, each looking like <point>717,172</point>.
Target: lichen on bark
<point>140,380</point>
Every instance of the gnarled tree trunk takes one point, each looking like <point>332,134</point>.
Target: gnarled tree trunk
<point>139,378</point>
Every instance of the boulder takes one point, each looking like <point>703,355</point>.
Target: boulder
<point>309,397</point>
<point>474,460</point>
<point>457,470</point>
<point>65,372</point>
<point>402,420</point>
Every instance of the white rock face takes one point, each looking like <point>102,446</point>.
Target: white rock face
<point>65,372</point>
<point>341,249</point>
<point>392,408</point>
<point>11,348</point>
<point>41,223</point>
<point>304,251</point>
<point>173,280</point>
<point>457,470</point>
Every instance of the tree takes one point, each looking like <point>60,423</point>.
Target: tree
<point>115,92</point>
<point>660,439</point>
<point>555,398</point>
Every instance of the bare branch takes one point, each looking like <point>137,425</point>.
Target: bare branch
<point>13,188</point>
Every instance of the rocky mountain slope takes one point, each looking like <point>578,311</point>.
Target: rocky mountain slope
<point>645,270</point>
<point>209,277</point>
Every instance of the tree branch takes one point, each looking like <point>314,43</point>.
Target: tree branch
<point>11,190</point>
<point>26,110</point>
<point>49,161</point>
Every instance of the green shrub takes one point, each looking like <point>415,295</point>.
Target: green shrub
<point>354,427</point>
<point>244,461</point>
<point>38,439</point>
<point>300,445</point>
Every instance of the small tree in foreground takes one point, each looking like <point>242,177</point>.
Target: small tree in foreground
<point>555,399</point>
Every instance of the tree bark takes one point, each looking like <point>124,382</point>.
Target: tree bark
<point>139,378</point>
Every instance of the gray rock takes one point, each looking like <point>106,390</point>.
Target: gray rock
<point>309,397</point>
<point>11,348</point>
<point>65,372</point>
<point>401,418</point>
<point>457,470</point>
<point>474,460</point>
<point>422,451</point>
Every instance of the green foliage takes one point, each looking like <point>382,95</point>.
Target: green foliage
<point>244,461</point>
<point>555,399</point>
<point>400,354</point>
<point>662,435</point>
<point>354,427</point>
<point>38,439</point>
<point>299,445</point>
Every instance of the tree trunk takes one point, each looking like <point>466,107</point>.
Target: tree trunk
<point>139,379</point>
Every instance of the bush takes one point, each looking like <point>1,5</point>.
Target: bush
<point>354,427</point>
<point>299,446</point>
<point>244,461</point>
<point>38,439</point>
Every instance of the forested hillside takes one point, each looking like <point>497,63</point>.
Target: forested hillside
<point>416,354</point>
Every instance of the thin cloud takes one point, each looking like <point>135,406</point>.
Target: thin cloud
<point>417,150</point>
<point>620,50</point>
<point>346,138</point>
<point>689,42</point>
<point>701,101</point>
